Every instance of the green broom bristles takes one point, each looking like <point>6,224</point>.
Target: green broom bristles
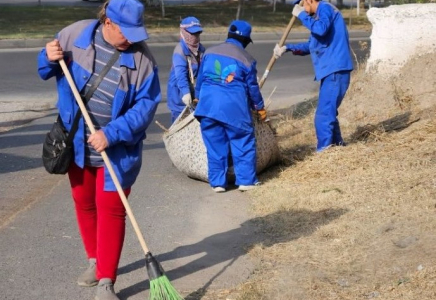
<point>160,286</point>
<point>162,289</point>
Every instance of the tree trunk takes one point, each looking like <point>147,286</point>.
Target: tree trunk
<point>162,5</point>
<point>240,8</point>
<point>274,5</point>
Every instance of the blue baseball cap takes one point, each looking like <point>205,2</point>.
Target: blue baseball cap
<point>129,15</point>
<point>241,28</point>
<point>191,25</point>
<point>296,2</point>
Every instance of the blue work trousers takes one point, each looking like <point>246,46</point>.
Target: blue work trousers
<point>219,139</point>
<point>331,92</point>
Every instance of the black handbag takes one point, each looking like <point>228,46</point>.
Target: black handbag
<point>58,146</point>
<point>58,150</point>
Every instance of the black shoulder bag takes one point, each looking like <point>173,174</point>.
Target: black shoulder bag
<point>58,146</point>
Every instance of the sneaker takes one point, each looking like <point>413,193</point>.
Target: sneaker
<point>88,278</point>
<point>244,188</point>
<point>105,290</point>
<point>218,189</point>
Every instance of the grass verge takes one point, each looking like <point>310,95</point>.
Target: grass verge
<point>30,22</point>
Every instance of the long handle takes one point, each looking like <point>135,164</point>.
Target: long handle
<point>191,73</point>
<point>281,43</point>
<point>191,78</point>
<point>105,157</point>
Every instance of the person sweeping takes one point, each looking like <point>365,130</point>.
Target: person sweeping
<point>329,48</point>
<point>121,108</point>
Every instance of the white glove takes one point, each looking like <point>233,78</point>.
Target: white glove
<point>297,10</point>
<point>278,51</point>
<point>187,99</point>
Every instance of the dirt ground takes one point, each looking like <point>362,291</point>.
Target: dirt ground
<point>354,222</point>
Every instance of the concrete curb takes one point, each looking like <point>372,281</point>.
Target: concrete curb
<point>173,38</point>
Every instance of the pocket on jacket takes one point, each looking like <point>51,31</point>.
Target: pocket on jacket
<point>66,117</point>
<point>130,156</point>
<point>320,51</point>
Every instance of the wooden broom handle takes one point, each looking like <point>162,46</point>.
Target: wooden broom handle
<point>105,157</point>
<point>281,43</point>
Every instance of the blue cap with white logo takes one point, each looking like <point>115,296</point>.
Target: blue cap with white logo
<point>129,16</point>
<point>191,25</point>
<point>241,28</point>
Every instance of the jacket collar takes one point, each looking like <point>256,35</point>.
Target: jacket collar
<point>234,42</point>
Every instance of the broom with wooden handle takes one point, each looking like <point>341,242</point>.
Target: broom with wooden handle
<point>160,286</point>
<point>281,43</point>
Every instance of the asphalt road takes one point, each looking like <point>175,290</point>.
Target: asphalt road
<point>199,236</point>
<point>30,97</point>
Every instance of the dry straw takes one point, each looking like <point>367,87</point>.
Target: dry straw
<point>354,222</point>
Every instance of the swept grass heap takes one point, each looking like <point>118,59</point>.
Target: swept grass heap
<point>354,222</point>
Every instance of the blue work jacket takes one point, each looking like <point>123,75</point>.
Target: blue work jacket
<point>227,86</point>
<point>328,43</point>
<point>133,107</point>
<point>179,80</point>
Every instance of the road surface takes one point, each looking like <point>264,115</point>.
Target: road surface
<point>200,237</point>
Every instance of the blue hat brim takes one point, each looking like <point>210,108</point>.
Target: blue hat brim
<point>194,29</point>
<point>296,2</point>
<point>134,34</point>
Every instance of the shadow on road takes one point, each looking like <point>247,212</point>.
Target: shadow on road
<point>279,227</point>
<point>30,135</point>
<point>21,147</point>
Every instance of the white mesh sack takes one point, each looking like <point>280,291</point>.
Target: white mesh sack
<point>185,147</point>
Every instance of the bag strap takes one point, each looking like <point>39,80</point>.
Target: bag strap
<point>89,94</point>
<point>100,77</point>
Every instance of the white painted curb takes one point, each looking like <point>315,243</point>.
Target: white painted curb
<point>399,33</point>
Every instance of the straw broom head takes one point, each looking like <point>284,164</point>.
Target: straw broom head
<point>160,286</point>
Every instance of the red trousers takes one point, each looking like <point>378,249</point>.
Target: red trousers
<point>101,218</point>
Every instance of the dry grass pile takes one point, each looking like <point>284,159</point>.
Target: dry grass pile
<point>355,222</point>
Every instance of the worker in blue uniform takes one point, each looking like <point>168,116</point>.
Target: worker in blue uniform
<point>228,92</point>
<point>186,58</point>
<point>329,48</point>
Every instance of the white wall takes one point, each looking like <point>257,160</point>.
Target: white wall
<point>400,32</point>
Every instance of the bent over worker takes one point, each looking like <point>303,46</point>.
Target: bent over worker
<point>121,108</point>
<point>329,48</point>
<point>227,90</point>
<point>186,59</point>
